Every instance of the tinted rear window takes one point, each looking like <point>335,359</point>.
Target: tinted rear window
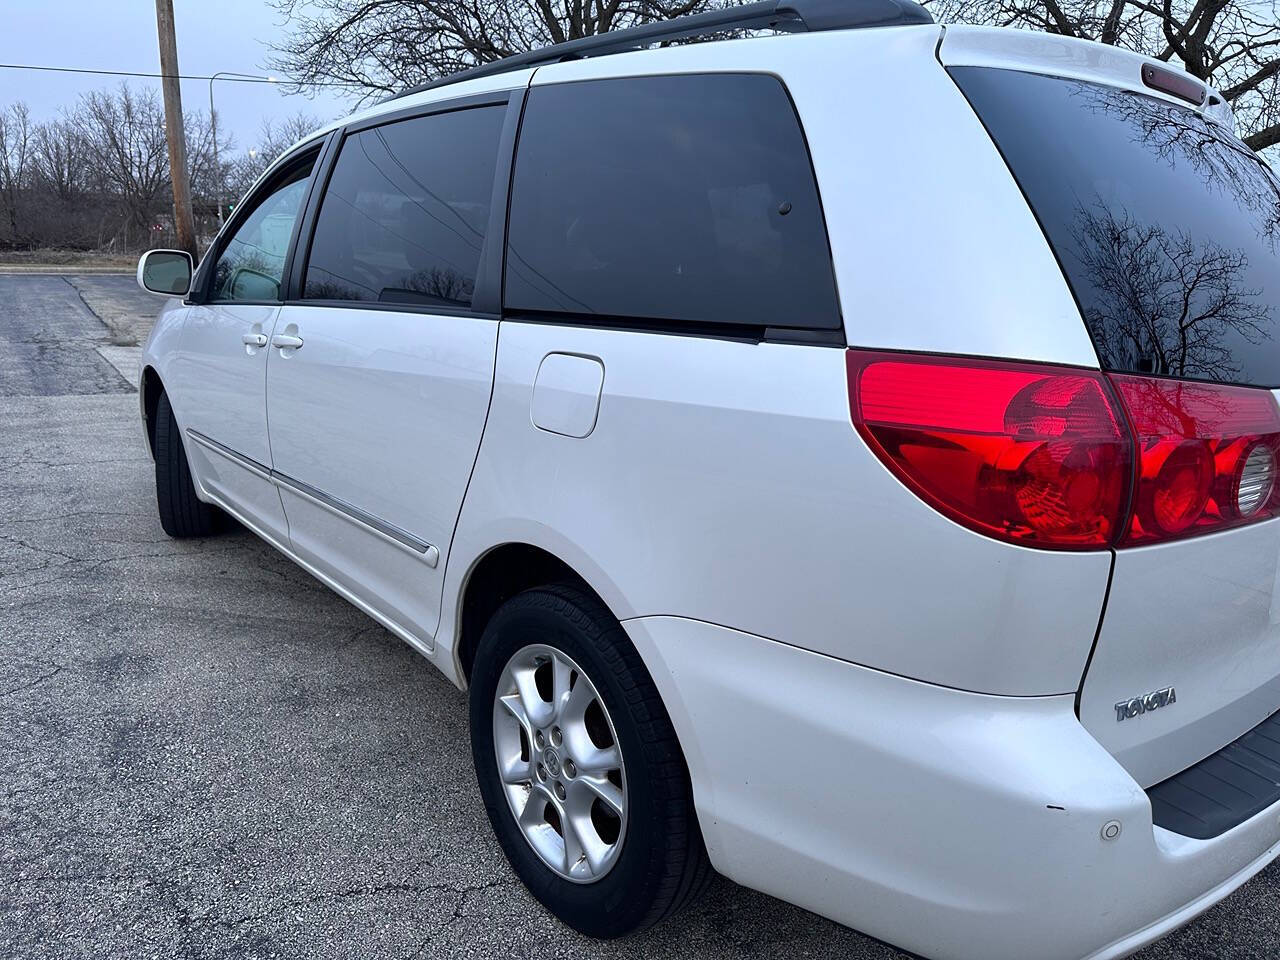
<point>671,199</point>
<point>1168,227</point>
<point>404,216</point>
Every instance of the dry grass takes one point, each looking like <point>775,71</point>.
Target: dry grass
<point>93,259</point>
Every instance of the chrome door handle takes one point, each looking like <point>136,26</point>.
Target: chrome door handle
<point>284,340</point>
<point>254,339</point>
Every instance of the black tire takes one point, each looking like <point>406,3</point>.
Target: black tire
<point>662,864</point>
<point>182,513</point>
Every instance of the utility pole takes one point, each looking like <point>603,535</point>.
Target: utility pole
<point>183,221</point>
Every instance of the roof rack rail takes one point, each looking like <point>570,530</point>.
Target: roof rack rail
<point>791,16</point>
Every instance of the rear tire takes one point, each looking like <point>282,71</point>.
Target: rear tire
<point>659,865</point>
<point>182,513</point>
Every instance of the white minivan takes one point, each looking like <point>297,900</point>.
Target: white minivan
<point>842,457</point>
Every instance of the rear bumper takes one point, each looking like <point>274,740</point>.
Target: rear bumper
<point>1187,912</point>
<point>956,825</point>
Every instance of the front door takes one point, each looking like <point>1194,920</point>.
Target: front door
<point>221,367</point>
<point>379,378</point>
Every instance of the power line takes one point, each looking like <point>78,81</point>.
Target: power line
<point>159,76</point>
<point>126,73</point>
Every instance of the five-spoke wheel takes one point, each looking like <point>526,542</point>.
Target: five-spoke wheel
<point>558,756</point>
<point>579,766</point>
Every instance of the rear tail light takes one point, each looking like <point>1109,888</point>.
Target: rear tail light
<point>1061,458</point>
<point>1026,453</point>
<point>1206,456</point>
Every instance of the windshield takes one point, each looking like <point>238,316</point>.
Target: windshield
<point>1167,226</point>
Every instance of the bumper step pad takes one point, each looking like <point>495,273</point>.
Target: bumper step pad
<point>1223,790</point>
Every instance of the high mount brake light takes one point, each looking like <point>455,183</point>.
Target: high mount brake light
<point>1206,456</point>
<point>1068,459</point>
<point>1031,454</point>
<point>1181,85</point>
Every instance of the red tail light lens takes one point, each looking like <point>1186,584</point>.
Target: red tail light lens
<point>1031,454</point>
<point>1069,459</point>
<point>1206,456</point>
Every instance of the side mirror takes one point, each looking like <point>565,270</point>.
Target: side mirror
<point>166,272</point>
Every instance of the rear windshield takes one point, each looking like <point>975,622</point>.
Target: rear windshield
<point>1166,225</point>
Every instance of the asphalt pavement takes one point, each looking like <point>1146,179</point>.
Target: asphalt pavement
<point>205,753</point>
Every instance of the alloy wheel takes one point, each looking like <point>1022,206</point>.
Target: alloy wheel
<point>560,763</point>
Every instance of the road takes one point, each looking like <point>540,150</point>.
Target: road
<point>208,754</point>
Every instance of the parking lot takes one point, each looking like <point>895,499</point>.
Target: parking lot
<point>208,754</point>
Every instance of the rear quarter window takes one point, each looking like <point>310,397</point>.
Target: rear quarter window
<point>1166,225</point>
<point>672,199</point>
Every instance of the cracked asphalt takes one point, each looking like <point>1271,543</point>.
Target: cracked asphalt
<point>204,753</point>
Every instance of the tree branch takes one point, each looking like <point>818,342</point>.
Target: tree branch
<point>1264,138</point>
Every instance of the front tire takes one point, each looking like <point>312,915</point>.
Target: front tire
<point>579,767</point>
<point>182,513</point>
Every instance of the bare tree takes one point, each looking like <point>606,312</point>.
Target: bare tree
<point>125,142</point>
<point>274,138</point>
<point>98,174</point>
<point>1232,44</point>
<point>204,176</point>
<point>382,46</point>
<point>277,136</point>
<point>60,158</point>
<point>15,160</point>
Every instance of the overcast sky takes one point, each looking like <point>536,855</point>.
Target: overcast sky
<point>213,35</point>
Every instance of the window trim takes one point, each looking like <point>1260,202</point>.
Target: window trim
<point>202,288</point>
<point>816,335</point>
<point>735,332</point>
<point>486,296</point>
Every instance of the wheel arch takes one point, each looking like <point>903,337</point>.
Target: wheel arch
<point>495,576</point>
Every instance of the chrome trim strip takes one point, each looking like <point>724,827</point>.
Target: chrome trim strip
<point>424,551</point>
<point>253,466</point>
<point>426,645</point>
<point>388,531</point>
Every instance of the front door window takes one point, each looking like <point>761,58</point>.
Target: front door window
<point>250,268</point>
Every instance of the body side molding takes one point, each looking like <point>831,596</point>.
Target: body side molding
<point>426,552</point>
